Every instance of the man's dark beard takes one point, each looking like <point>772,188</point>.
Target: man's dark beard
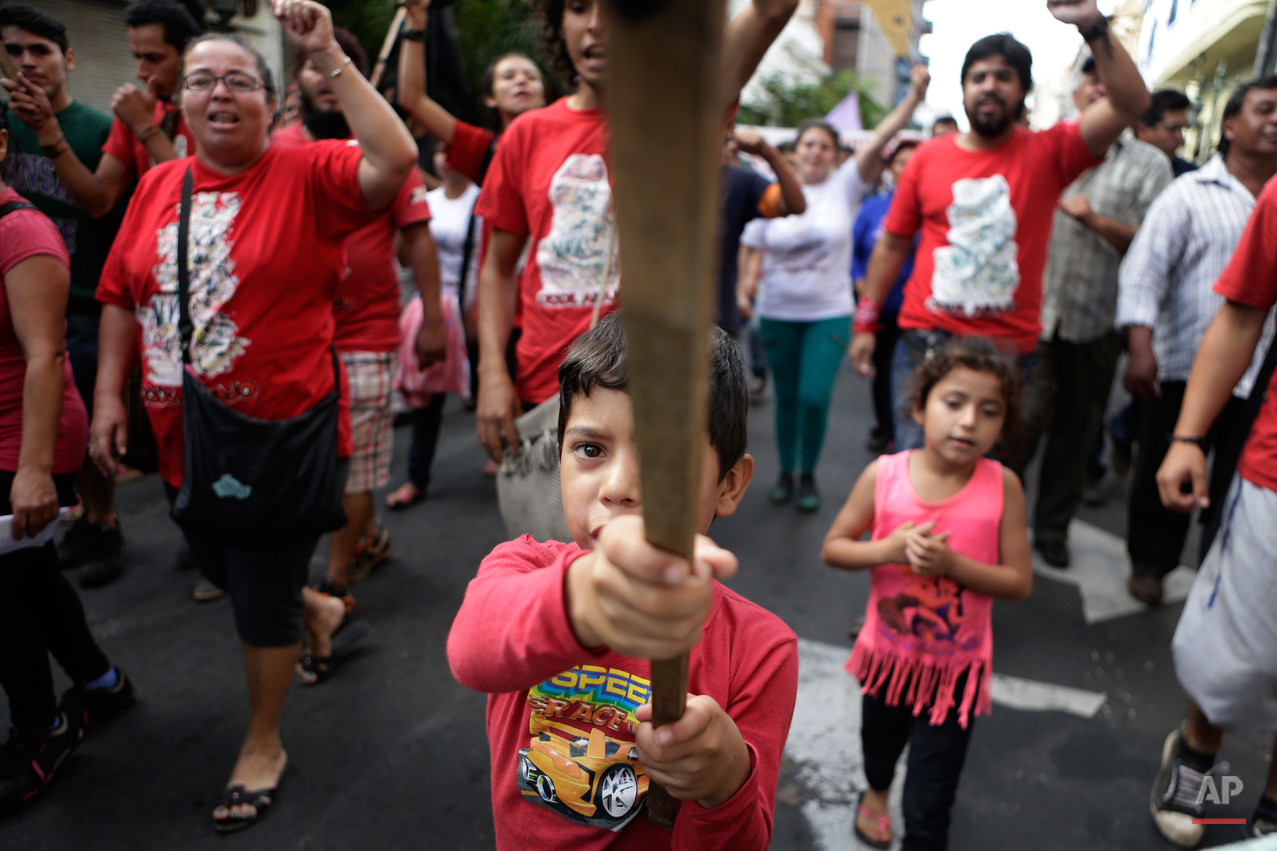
<point>320,123</point>
<point>993,127</point>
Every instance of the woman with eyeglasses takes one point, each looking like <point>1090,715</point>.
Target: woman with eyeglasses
<point>265,253</point>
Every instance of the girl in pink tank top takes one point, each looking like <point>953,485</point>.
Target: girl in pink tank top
<point>948,534</point>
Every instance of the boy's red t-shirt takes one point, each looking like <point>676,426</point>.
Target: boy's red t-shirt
<point>986,221</point>
<point>565,773</point>
<point>124,146</point>
<point>549,181</point>
<point>368,298</point>
<point>25,234</point>
<point>267,253</point>
<point>468,150</point>
<point>1251,279</point>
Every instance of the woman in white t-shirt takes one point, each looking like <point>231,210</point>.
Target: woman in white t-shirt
<point>806,302</point>
<point>455,229</point>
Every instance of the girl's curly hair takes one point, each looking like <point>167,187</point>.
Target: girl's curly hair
<point>978,355</point>
<point>551,12</point>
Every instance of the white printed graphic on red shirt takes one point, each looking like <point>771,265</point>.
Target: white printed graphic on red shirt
<point>573,257</point>
<point>581,761</point>
<point>216,345</point>
<point>978,272</point>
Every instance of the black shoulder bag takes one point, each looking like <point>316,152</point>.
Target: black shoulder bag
<point>250,483</point>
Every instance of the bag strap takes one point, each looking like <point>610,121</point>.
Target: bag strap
<point>14,206</point>
<point>466,253</point>
<point>185,327</point>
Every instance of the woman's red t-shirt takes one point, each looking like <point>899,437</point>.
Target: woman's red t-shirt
<point>267,252</point>
<point>25,234</point>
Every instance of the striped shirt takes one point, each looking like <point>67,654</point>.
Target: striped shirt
<point>1079,288</point>
<point>1166,281</point>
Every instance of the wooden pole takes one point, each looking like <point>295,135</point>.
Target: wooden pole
<point>387,45</point>
<point>664,103</point>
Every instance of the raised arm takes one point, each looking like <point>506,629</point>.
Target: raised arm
<point>389,152</point>
<point>869,158</point>
<point>1127,96</point>
<point>94,192</point>
<point>412,78</point>
<point>792,202</point>
<point>747,38</point>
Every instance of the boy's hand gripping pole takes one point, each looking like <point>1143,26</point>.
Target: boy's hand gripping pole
<point>664,103</point>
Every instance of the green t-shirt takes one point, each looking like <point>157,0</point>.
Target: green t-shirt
<point>33,175</point>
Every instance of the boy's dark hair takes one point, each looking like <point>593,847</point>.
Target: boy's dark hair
<point>1161,102</point>
<point>979,355</point>
<point>1012,52</point>
<point>551,12</point>
<point>786,147</point>
<point>1238,99</point>
<point>347,42</point>
<point>597,359</point>
<point>943,119</point>
<point>263,70</point>
<point>183,21</point>
<point>820,124</point>
<point>36,22</point>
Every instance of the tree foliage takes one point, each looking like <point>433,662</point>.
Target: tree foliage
<point>787,103</point>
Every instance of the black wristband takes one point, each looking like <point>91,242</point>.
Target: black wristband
<point>1098,28</point>
<point>1200,442</point>
<point>413,35</point>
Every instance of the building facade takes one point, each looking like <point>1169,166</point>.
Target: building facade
<point>1205,48</point>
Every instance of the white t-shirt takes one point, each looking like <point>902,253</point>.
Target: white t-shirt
<point>448,220</point>
<point>806,274</point>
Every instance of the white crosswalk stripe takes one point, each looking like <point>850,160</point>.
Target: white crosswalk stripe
<point>824,739</point>
<point>1100,568</point>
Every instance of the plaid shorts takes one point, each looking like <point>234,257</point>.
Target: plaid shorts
<point>370,375</point>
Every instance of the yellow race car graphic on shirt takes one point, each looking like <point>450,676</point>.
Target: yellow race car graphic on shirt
<point>581,772</point>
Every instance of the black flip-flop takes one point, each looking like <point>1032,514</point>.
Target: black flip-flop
<point>260,800</point>
<point>883,821</point>
<point>322,667</point>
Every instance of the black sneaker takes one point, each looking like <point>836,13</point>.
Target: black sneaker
<point>107,562</point>
<point>78,544</point>
<point>92,708</point>
<point>1176,798</point>
<point>28,763</point>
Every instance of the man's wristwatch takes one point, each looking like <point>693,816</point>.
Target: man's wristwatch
<point>1200,442</point>
<point>413,35</point>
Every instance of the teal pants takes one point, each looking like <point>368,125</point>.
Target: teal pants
<point>804,359</point>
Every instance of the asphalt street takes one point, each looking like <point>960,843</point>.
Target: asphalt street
<point>391,753</point>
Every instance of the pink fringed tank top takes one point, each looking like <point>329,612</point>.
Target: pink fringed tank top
<point>924,632</point>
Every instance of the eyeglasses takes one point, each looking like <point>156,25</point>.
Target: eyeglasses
<point>235,81</point>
